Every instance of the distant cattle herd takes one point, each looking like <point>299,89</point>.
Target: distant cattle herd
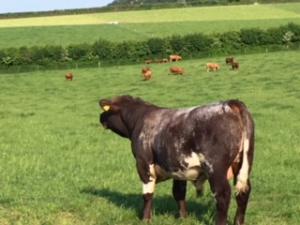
<point>147,73</point>
<point>176,70</point>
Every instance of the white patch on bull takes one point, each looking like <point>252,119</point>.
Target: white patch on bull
<point>193,167</point>
<point>149,187</point>
<point>184,112</point>
<point>242,178</point>
<point>213,109</point>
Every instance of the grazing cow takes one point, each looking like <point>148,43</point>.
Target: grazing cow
<point>175,58</point>
<point>229,60</point>
<point>192,144</point>
<point>69,76</point>
<point>212,67</point>
<point>147,73</point>
<point>164,60</point>
<point>176,70</point>
<point>148,61</point>
<point>235,65</point>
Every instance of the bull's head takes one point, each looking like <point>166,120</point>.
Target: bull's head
<point>111,117</point>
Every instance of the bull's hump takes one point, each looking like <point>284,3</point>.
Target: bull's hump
<point>212,110</point>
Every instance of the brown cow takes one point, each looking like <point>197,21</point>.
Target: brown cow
<point>148,61</point>
<point>235,65</point>
<point>175,58</point>
<point>229,60</point>
<point>147,73</point>
<point>176,70</point>
<point>164,60</point>
<point>212,67</point>
<point>69,76</point>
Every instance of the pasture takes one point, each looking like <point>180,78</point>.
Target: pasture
<point>142,25</point>
<point>59,166</point>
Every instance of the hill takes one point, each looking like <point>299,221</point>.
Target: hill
<point>140,25</point>
<point>131,4</point>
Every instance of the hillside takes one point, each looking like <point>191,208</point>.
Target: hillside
<point>163,3</point>
<point>143,24</point>
<point>128,4</point>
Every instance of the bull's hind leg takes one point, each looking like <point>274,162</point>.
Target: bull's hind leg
<point>179,192</point>
<point>243,194</point>
<point>241,177</point>
<point>221,188</point>
<point>242,202</point>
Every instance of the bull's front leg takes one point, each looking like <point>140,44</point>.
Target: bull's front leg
<point>179,192</point>
<point>148,191</point>
<point>148,177</point>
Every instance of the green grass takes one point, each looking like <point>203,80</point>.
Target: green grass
<point>59,166</point>
<point>141,25</point>
<point>66,35</point>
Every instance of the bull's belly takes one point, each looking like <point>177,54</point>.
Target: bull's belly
<point>190,174</point>
<point>192,168</point>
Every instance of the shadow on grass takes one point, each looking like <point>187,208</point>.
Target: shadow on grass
<point>163,205</point>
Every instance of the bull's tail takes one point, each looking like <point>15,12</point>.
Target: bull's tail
<point>247,148</point>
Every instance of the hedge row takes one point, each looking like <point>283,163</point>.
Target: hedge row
<point>192,45</point>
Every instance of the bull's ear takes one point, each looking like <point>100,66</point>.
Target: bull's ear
<point>107,105</point>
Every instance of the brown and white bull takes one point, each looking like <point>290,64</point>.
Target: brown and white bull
<point>191,144</point>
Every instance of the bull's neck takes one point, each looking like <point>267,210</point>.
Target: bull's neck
<point>133,117</point>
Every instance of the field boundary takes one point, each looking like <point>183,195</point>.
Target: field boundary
<point>196,45</point>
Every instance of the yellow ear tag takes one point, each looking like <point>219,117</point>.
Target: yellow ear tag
<point>106,108</point>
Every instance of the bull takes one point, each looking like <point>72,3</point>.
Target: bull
<point>191,144</point>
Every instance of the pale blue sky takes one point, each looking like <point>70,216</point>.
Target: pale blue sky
<point>45,5</point>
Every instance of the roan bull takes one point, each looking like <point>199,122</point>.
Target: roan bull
<point>196,144</point>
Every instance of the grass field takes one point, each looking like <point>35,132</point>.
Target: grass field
<point>141,25</point>
<point>58,166</point>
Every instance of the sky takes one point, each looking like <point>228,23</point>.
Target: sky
<point>9,6</point>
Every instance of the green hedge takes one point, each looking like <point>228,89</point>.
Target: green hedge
<point>193,45</point>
